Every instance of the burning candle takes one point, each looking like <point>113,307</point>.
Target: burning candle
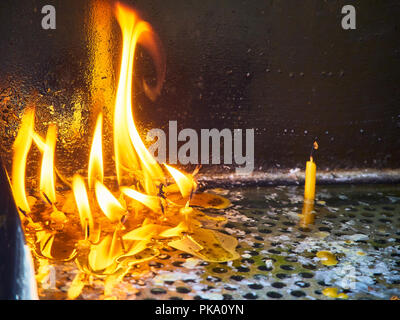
<point>310,177</point>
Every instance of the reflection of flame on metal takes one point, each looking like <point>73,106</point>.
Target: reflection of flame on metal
<point>101,226</point>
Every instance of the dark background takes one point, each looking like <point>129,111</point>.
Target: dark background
<point>285,68</point>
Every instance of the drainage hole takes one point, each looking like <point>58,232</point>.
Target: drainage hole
<point>274,295</point>
<point>255,286</point>
<point>297,294</point>
<point>278,285</point>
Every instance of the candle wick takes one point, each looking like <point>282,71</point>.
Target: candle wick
<point>314,147</point>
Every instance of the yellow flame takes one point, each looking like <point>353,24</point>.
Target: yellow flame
<point>152,202</point>
<point>96,170</point>
<point>82,202</point>
<point>112,254</point>
<point>40,143</point>
<point>47,180</point>
<point>21,148</point>
<point>108,203</point>
<point>130,151</point>
<point>186,184</point>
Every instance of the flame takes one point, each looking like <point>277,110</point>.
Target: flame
<point>151,202</point>
<point>39,142</point>
<point>110,249</point>
<point>95,171</point>
<point>186,184</point>
<point>21,148</point>
<point>82,202</point>
<point>47,181</point>
<point>130,151</point>
<point>110,206</point>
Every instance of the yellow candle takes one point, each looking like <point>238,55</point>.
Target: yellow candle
<point>311,171</point>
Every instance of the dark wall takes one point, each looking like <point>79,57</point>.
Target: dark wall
<point>285,68</point>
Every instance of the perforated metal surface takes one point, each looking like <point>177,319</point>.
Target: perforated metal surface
<point>360,225</point>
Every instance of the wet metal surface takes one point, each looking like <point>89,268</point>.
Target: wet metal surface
<point>359,225</point>
<point>290,72</point>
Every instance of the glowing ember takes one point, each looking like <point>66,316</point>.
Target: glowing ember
<point>103,226</point>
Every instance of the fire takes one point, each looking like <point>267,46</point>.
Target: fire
<point>186,184</point>
<point>95,171</point>
<point>21,148</point>
<point>108,203</point>
<point>140,212</point>
<point>47,180</point>
<point>82,203</point>
<point>151,202</point>
<point>130,151</point>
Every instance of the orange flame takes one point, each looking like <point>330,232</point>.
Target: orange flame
<point>38,140</point>
<point>108,203</point>
<point>47,180</point>
<point>95,171</point>
<point>130,151</point>
<point>186,184</point>
<point>132,159</point>
<point>151,202</point>
<point>82,202</point>
<point>21,148</point>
